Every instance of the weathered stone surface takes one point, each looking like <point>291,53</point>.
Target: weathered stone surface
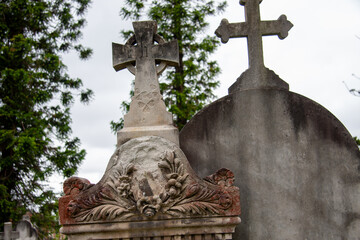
<point>257,76</point>
<point>26,230</point>
<point>148,184</point>
<point>147,108</point>
<point>296,165</point>
<point>8,233</point>
<point>246,81</point>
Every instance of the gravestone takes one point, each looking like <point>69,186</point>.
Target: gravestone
<point>297,166</point>
<point>8,233</point>
<point>24,230</point>
<point>149,191</point>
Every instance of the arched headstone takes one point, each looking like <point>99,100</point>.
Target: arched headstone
<point>296,165</point>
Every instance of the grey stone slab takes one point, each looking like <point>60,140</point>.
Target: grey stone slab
<point>296,165</point>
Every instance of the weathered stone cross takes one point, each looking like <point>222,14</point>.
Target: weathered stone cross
<point>146,61</point>
<point>253,28</point>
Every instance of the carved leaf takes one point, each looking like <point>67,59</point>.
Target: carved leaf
<point>183,178</point>
<point>165,165</point>
<point>197,208</point>
<point>102,212</point>
<point>130,169</point>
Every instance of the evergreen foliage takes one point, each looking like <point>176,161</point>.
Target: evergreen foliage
<point>357,140</point>
<point>36,96</point>
<point>188,87</point>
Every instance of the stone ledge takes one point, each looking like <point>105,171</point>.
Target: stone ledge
<point>168,132</point>
<point>211,228</point>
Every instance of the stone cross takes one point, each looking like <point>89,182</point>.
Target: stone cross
<point>8,233</point>
<point>146,55</point>
<point>253,29</point>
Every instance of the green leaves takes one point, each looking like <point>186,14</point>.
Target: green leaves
<point>357,140</point>
<point>35,99</point>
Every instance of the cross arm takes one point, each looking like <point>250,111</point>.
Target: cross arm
<point>243,2</point>
<point>228,30</point>
<point>167,52</point>
<point>122,55</point>
<point>280,27</point>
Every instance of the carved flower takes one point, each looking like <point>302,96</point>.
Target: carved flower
<point>225,200</point>
<point>74,185</point>
<point>222,177</point>
<point>174,173</point>
<point>149,205</point>
<point>123,185</point>
<point>120,180</point>
<point>73,207</point>
<point>173,187</point>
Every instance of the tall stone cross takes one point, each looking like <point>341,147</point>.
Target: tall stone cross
<point>146,55</point>
<point>253,29</point>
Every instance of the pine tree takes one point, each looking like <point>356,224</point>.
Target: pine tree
<point>188,87</point>
<point>36,96</point>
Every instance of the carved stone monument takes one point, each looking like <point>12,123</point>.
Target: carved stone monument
<point>147,115</point>
<point>149,190</point>
<point>296,165</point>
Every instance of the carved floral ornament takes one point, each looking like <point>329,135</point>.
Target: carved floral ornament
<point>124,197</point>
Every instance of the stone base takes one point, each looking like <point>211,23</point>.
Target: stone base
<point>263,78</point>
<point>214,228</point>
<point>168,132</point>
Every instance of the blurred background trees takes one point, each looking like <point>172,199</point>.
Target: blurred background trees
<point>35,98</point>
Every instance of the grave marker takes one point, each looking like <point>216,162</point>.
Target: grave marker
<point>149,190</point>
<point>297,165</point>
<point>8,233</point>
<point>257,76</point>
<point>148,114</point>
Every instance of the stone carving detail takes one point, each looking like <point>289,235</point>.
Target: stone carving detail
<point>146,100</point>
<point>105,205</point>
<point>183,199</point>
<point>223,177</point>
<point>74,185</point>
<point>119,198</point>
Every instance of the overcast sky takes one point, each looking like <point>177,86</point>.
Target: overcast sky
<point>321,52</point>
